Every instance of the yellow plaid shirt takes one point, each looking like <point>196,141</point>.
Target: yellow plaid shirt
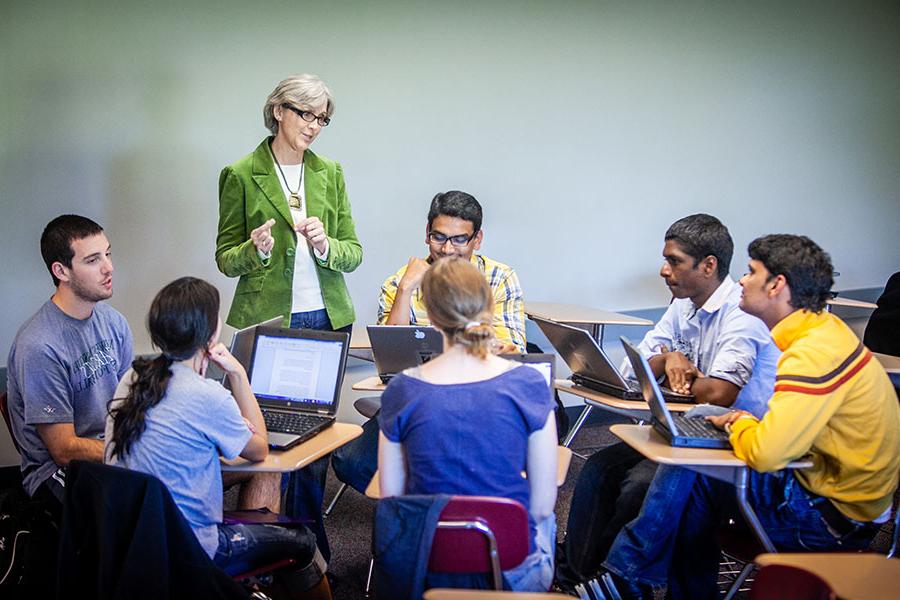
<point>509,307</point>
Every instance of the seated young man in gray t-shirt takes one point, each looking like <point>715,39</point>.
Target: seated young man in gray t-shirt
<point>66,360</point>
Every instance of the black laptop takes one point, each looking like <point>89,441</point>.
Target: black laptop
<point>590,365</point>
<point>242,345</point>
<point>399,347</point>
<point>689,432</point>
<point>296,376</point>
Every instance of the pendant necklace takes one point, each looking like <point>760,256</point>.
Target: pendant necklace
<point>294,201</point>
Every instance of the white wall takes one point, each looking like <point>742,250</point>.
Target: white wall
<point>584,128</point>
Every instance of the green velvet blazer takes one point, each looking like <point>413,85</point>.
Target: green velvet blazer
<point>249,195</point>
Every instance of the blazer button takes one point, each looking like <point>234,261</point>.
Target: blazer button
<point>289,252</point>
<point>288,273</point>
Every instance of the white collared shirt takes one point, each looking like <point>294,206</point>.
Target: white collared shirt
<point>722,341</point>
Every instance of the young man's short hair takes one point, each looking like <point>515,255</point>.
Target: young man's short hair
<point>703,235</point>
<point>56,241</point>
<point>806,267</point>
<point>456,204</point>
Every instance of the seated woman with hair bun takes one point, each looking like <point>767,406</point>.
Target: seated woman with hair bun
<point>469,422</point>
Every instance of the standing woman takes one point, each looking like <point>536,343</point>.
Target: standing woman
<point>285,226</point>
<point>286,230</point>
<point>469,422</point>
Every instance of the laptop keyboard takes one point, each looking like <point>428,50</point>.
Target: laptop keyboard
<point>698,428</point>
<point>296,423</point>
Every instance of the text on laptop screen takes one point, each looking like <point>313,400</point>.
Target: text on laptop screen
<point>295,369</point>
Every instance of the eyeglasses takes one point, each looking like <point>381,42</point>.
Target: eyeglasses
<point>439,239</point>
<point>307,116</point>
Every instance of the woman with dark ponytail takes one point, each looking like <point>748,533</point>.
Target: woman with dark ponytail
<point>168,420</point>
<point>469,422</point>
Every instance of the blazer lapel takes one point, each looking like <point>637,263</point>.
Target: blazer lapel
<point>265,177</point>
<point>314,185</point>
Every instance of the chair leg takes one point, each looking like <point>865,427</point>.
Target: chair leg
<point>337,496</point>
<point>893,551</point>
<point>368,592</point>
<point>578,423</point>
<point>739,581</point>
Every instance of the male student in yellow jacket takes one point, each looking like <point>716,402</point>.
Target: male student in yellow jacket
<point>832,402</point>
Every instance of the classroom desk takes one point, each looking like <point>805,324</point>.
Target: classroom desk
<point>283,461</point>
<point>849,303</point>
<point>633,409</point>
<point>720,464</point>
<point>360,346</point>
<point>575,314</point>
<point>563,458</point>
<point>890,363</point>
<point>369,384</point>
<point>852,576</point>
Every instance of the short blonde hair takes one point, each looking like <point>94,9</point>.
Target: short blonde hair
<point>297,90</point>
<point>459,303</point>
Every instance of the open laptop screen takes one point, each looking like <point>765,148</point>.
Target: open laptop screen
<point>545,364</point>
<point>649,387</point>
<point>290,371</point>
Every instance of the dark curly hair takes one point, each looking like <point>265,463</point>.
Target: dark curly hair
<point>806,267</point>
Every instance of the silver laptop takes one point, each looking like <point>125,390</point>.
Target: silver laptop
<point>399,347</point>
<point>679,430</point>
<point>242,345</point>
<point>590,365</point>
<point>296,376</point>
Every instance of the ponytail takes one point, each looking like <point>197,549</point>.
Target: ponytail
<point>183,319</point>
<point>147,389</point>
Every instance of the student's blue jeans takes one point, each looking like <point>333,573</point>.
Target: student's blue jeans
<point>306,487</point>
<point>244,547</point>
<point>659,547</point>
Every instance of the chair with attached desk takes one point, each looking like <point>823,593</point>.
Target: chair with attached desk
<point>563,460</point>
<point>782,581</point>
<point>473,535</point>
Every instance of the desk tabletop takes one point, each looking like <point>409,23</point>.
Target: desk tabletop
<point>851,303</point>
<point>563,459</point>
<point>648,442</point>
<point>283,461</point>
<point>890,363</point>
<point>359,337</point>
<point>852,576</point>
<point>601,400</point>
<point>573,313</point>
<point>369,384</point>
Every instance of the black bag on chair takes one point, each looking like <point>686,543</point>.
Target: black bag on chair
<point>29,537</point>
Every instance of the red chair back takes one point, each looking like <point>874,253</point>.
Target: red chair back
<point>4,409</point>
<point>782,581</point>
<point>467,550</point>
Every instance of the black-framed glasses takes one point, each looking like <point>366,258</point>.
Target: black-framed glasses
<point>439,239</point>
<point>307,116</point>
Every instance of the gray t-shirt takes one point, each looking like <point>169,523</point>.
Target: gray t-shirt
<point>196,421</point>
<point>63,370</point>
